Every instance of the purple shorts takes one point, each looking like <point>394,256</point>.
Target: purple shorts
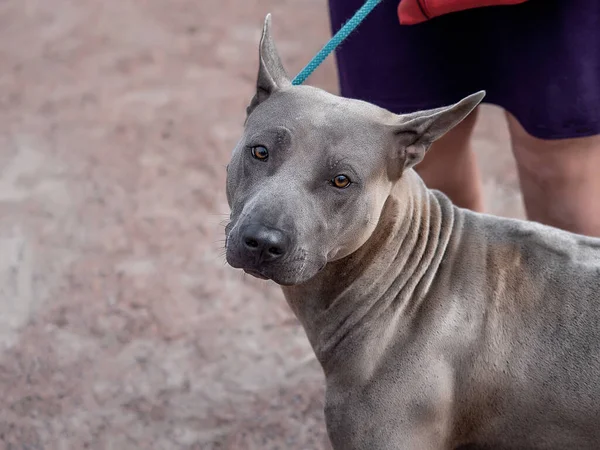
<point>539,60</point>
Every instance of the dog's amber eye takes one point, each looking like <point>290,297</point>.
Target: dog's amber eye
<point>260,153</point>
<point>340,181</point>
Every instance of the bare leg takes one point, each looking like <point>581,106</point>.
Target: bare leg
<point>450,166</point>
<point>560,179</point>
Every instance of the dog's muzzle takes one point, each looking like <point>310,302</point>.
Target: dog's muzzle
<point>257,247</point>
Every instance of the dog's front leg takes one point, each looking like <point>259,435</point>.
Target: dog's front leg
<point>413,439</point>
<point>406,407</point>
<point>413,426</point>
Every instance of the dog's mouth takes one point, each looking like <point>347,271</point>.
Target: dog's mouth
<point>256,273</point>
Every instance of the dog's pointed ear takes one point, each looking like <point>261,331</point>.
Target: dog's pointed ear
<point>271,74</point>
<point>417,131</point>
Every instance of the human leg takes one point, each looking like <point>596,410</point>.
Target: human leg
<point>560,179</point>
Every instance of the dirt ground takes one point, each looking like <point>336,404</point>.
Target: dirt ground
<point>121,327</point>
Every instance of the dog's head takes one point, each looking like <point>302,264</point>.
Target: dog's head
<point>309,178</point>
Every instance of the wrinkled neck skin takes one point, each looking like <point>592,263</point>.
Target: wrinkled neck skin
<point>385,282</point>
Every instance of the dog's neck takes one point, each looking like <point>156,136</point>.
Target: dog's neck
<point>385,281</point>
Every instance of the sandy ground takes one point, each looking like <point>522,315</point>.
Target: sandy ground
<point>120,325</point>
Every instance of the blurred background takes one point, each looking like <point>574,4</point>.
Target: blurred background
<point>121,327</point>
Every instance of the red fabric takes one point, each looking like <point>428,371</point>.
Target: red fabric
<point>411,12</point>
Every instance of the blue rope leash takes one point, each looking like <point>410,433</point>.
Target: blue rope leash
<point>336,40</point>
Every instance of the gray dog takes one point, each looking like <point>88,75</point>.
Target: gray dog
<point>436,327</point>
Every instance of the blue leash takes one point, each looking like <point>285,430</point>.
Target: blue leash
<point>336,40</point>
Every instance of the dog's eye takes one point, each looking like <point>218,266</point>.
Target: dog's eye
<point>340,181</point>
<point>261,153</point>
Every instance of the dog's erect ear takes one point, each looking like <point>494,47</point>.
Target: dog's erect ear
<point>417,131</point>
<point>271,74</point>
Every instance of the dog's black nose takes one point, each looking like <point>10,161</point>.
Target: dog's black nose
<point>265,244</point>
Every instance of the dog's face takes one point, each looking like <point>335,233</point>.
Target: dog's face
<point>309,178</point>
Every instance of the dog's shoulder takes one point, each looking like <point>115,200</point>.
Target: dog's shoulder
<point>540,243</point>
